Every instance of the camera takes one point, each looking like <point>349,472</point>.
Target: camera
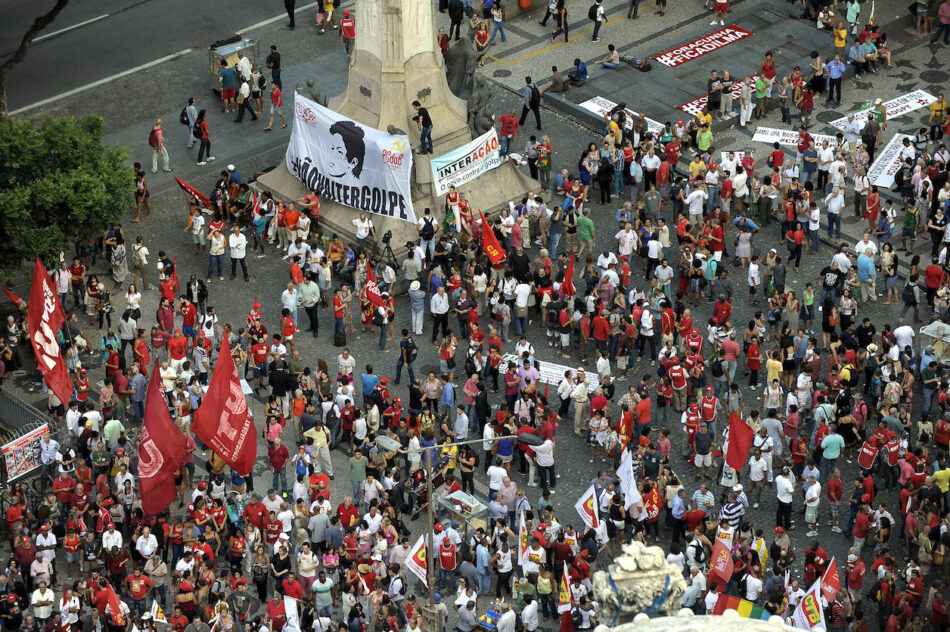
<point>388,235</point>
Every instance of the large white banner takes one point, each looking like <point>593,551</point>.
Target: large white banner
<point>787,137</point>
<point>465,163</point>
<point>887,163</point>
<point>350,163</point>
<point>897,106</point>
<point>600,106</point>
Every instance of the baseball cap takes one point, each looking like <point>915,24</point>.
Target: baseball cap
<point>778,530</point>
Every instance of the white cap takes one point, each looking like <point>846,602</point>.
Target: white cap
<point>230,167</point>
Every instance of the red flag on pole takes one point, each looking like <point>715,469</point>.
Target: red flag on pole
<point>19,302</point>
<point>830,582</point>
<point>721,561</point>
<point>45,317</point>
<point>193,192</point>
<point>740,442</point>
<point>372,289</point>
<point>161,450</point>
<point>223,421</point>
<point>489,242</point>
<point>567,287</point>
<point>114,607</point>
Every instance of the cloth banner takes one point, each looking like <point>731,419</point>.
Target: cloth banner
<point>721,562</point>
<point>740,442</point>
<point>745,608</point>
<point>292,614</point>
<point>898,106</point>
<point>372,288</point>
<point>628,480</point>
<point>416,560</point>
<point>809,613</point>
<point>522,541</point>
<point>586,506</point>
<point>161,450</point>
<point>45,317</point>
<point>771,135</point>
<point>465,163</point>
<point>349,163</point>
<point>830,582</point>
<point>887,162</point>
<point>489,241</point>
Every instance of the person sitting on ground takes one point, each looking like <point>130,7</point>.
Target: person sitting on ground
<point>558,84</point>
<point>612,60</point>
<point>578,75</point>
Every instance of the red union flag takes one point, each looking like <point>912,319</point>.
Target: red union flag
<point>699,47</point>
<point>223,421</point>
<point>721,562</point>
<point>161,450</point>
<point>489,242</point>
<point>416,560</point>
<point>586,506</point>
<point>45,317</point>
<point>372,289</point>
<point>740,442</point>
<point>830,582</point>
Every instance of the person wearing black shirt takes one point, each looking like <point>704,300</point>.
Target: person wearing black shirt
<point>864,333</point>
<point>424,121</point>
<point>273,62</point>
<point>831,278</point>
<point>714,93</point>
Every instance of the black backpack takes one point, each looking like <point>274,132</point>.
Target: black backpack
<point>576,618</point>
<point>183,117</point>
<point>535,100</point>
<point>592,12</point>
<point>908,295</point>
<point>428,230</point>
<point>716,368</point>
<point>412,351</point>
<point>196,129</point>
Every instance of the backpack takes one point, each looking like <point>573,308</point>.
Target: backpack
<point>716,368</point>
<point>412,351</point>
<point>875,593</point>
<point>428,229</point>
<point>153,138</point>
<point>576,618</point>
<point>301,467</point>
<point>908,295</point>
<point>535,100</point>
<point>183,117</point>
<point>196,129</point>
<point>699,553</point>
<point>592,12</point>
<point>138,259</point>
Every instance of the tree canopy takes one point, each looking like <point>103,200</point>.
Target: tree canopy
<point>59,185</point>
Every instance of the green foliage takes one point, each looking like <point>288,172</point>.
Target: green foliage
<point>59,185</point>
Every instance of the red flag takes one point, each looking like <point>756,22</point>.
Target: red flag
<point>721,561</point>
<point>740,442</point>
<point>45,317</point>
<point>223,421</point>
<point>489,242</point>
<point>161,450</point>
<point>19,302</point>
<point>114,606</point>
<point>193,192</point>
<point>257,204</point>
<point>372,290</point>
<point>830,582</point>
<point>567,287</point>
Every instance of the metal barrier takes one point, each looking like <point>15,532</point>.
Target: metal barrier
<point>18,415</point>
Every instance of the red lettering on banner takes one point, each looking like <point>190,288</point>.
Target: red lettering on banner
<point>703,45</point>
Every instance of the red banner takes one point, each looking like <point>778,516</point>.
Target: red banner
<point>223,421</point>
<point>372,289</point>
<point>740,442</point>
<point>702,46</point>
<point>19,302</point>
<point>489,242</point>
<point>193,192</point>
<point>45,317</point>
<point>161,451</point>
<point>567,287</point>
<point>721,561</point>
<point>830,582</point>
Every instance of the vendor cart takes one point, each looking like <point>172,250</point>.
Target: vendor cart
<point>466,509</point>
<point>228,50</point>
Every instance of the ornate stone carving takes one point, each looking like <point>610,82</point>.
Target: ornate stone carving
<point>639,581</point>
<point>311,92</point>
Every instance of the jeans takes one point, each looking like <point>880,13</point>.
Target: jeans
<point>138,409</point>
<point>596,34</point>
<point>447,579</point>
<point>546,473</point>
<point>216,261</point>
<point>425,140</point>
<point>204,149</point>
<point>834,225</point>
<point>609,65</point>
<point>521,324</point>
<point>713,200</point>
<point>555,238</point>
<point>814,239</point>
<point>484,583</point>
<point>383,335</point>
<point>825,468</point>
<point>505,145</point>
<point>942,28</point>
<point>399,365</point>
<point>280,476</point>
<point>634,8</point>
<point>246,107</point>
<point>496,29</point>
<point>337,325</point>
<point>156,152</point>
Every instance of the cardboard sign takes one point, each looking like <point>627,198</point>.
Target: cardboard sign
<point>887,163</point>
<point>601,106</point>
<point>695,107</point>
<point>552,374</point>
<point>22,455</point>
<point>702,46</point>
<point>895,107</point>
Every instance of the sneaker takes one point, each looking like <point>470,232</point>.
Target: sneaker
<point>201,164</point>
<point>713,23</point>
<point>755,505</point>
<point>812,534</point>
<point>210,158</point>
<point>721,23</point>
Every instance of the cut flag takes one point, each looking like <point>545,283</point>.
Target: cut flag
<point>721,563</point>
<point>522,542</point>
<point>161,450</point>
<point>830,582</point>
<point>490,242</point>
<point>19,302</point>
<point>223,421</point>
<point>740,442</point>
<point>565,598</point>
<point>45,317</point>
<point>416,561</point>
<point>192,192</point>
<point>809,614</point>
<point>372,289</point>
<point>586,506</point>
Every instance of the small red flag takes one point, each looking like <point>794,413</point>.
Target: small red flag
<point>740,442</point>
<point>830,582</point>
<point>223,420</point>
<point>45,316</point>
<point>193,192</point>
<point>721,561</point>
<point>161,451</point>
<point>489,242</point>
<point>19,302</point>
<point>567,287</point>
<point>372,289</point>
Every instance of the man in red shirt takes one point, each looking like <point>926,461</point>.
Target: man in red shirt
<point>276,614</point>
<point>348,31</point>
<point>278,455</point>
<point>862,524</point>
<point>177,349</point>
<point>178,621</point>
<point>601,330</point>
<point>189,314</point>
<point>348,513</point>
<point>272,528</point>
<point>834,492</point>
<point>292,587</point>
<point>255,512</point>
<point>448,562</point>
<point>138,587</point>
<point>510,129</point>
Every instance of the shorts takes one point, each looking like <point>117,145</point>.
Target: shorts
<point>834,509</point>
<point>199,239</point>
<point>188,331</point>
<point>909,233</point>
<point>703,460</point>
<point>72,557</point>
<point>505,458</point>
<point>191,468</point>
<point>289,338</point>
<point>565,340</point>
<point>722,7</point>
<point>811,514</point>
<point>260,370</point>
<point>276,109</point>
<point>227,93</point>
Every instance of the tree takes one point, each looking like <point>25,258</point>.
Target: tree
<point>59,185</point>
<point>16,59</point>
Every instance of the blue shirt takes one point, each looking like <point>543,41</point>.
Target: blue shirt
<point>856,53</point>
<point>678,506</point>
<point>369,383</point>
<point>448,396</point>
<point>559,182</point>
<point>750,226</point>
<point>581,70</point>
<point>865,267</point>
<point>623,215</point>
<point>809,166</point>
<point>835,69</point>
<point>228,77</point>
<point>636,171</point>
<point>482,558</point>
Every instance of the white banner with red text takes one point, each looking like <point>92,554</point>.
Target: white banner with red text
<point>465,163</point>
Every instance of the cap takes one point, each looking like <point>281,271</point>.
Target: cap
<point>178,332</point>
<point>111,525</point>
<point>346,13</point>
<point>737,487</point>
<point>45,527</point>
<point>397,400</point>
<point>878,101</point>
<point>11,597</point>
<point>710,389</point>
<point>866,498</point>
<point>438,598</point>
<point>364,568</point>
<point>438,528</point>
<point>120,451</point>
<point>384,380</point>
<point>772,250</point>
<point>679,122</point>
<point>283,536</point>
<point>778,530</point>
<point>82,370</point>
<point>230,167</point>
<point>377,558</point>
<point>202,485</point>
<point>256,304</point>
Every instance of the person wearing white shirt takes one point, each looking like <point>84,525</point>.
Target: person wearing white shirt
<point>626,242</point>
<point>812,498</point>
<point>289,299</point>
<point>439,307</point>
<point>605,259</point>
<point>496,476</point>
<point>866,246</point>
<point>111,538</point>
<point>696,201</point>
<point>529,614</point>
<point>147,543</point>
<point>834,202</point>
<point>237,242</point>
<point>904,334</point>
<point>753,587</point>
<point>784,492</point>
<point>825,157</point>
<point>364,229</point>
<point>843,260</point>
<point>42,600</point>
